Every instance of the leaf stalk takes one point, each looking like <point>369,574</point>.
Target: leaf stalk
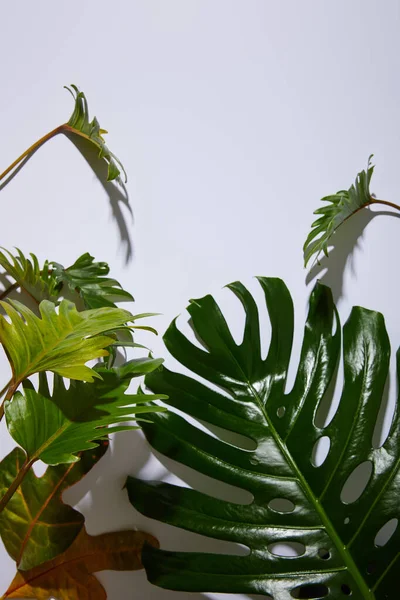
<point>15,484</point>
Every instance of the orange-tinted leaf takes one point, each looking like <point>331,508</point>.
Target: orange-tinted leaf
<point>70,576</point>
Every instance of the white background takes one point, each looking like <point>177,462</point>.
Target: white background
<point>233,118</point>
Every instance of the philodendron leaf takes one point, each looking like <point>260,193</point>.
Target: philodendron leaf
<point>339,208</point>
<point>90,280</point>
<point>36,525</point>
<point>55,427</point>
<point>39,283</point>
<point>60,341</point>
<point>79,124</point>
<point>338,553</point>
<point>71,575</point>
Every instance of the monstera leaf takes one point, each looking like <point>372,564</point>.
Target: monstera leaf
<point>90,280</point>
<point>61,341</point>
<point>71,575</point>
<point>338,553</point>
<point>36,525</point>
<point>56,427</point>
<point>39,283</point>
<point>339,208</point>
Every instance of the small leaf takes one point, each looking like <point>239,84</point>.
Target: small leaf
<point>71,575</point>
<point>90,280</point>
<point>79,124</point>
<point>36,525</point>
<point>340,207</point>
<point>61,341</point>
<point>39,283</point>
<point>55,427</point>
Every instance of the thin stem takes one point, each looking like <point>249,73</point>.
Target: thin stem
<point>10,289</point>
<point>385,202</point>
<point>15,484</point>
<point>10,393</point>
<point>31,149</point>
<point>5,388</point>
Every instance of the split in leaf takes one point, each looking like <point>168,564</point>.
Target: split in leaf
<point>55,427</point>
<point>36,525</point>
<point>38,282</point>
<point>71,575</point>
<point>61,341</point>
<point>336,555</point>
<point>90,280</point>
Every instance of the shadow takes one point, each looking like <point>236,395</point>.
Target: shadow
<point>330,270</point>
<point>116,192</point>
<point>17,169</point>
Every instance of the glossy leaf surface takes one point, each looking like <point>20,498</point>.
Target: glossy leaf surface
<point>60,341</point>
<point>36,525</point>
<point>339,208</point>
<point>89,279</point>
<point>80,124</point>
<point>54,427</point>
<point>71,575</point>
<point>338,556</point>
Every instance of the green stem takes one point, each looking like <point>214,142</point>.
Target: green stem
<point>15,484</point>
<point>32,148</point>
<point>11,390</point>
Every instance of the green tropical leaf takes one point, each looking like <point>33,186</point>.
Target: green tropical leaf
<point>38,283</point>
<point>80,124</point>
<point>36,525</point>
<point>339,208</point>
<point>55,427</point>
<point>337,551</point>
<point>90,280</point>
<point>61,341</point>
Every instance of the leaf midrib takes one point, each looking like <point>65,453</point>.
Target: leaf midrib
<point>347,558</point>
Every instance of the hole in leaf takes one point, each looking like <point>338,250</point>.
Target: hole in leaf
<point>39,468</point>
<point>324,553</point>
<point>385,533</point>
<point>287,549</point>
<point>371,568</point>
<point>346,521</point>
<point>307,592</point>
<point>281,505</point>
<point>356,482</point>
<point>320,450</point>
<point>281,411</point>
<point>346,589</point>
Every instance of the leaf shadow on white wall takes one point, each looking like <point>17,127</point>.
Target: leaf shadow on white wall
<point>330,269</point>
<point>117,193</point>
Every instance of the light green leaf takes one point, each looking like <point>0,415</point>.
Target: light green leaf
<point>340,207</point>
<point>295,499</point>
<point>39,283</point>
<point>79,124</point>
<point>54,427</point>
<point>89,279</point>
<point>61,341</point>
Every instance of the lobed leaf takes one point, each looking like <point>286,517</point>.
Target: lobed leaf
<point>61,341</point>
<point>90,280</point>
<point>56,427</point>
<point>39,283</point>
<point>294,500</point>
<point>80,124</point>
<point>36,525</point>
<point>71,575</point>
<point>340,207</point>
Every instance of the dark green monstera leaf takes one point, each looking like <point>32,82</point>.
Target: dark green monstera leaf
<point>338,553</point>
